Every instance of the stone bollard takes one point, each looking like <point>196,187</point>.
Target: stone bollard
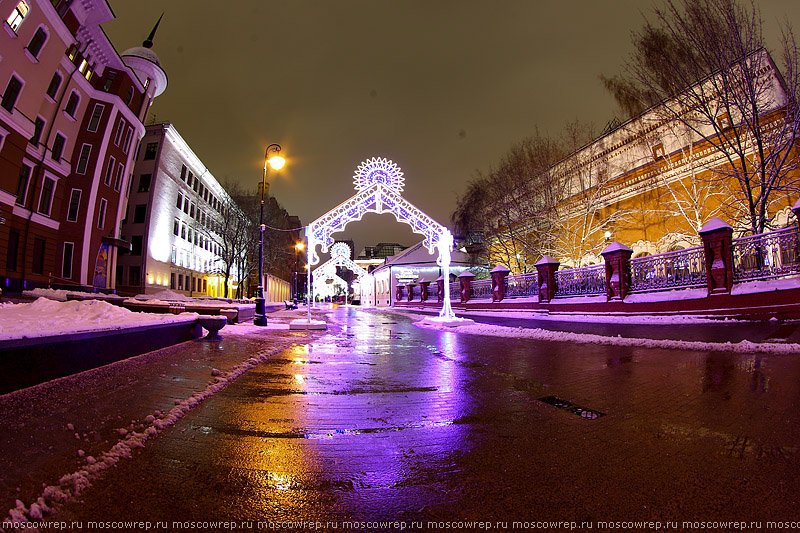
<point>410,291</point>
<point>465,278</point>
<point>499,274</point>
<point>717,238</point>
<point>440,286</point>
<point>546,269</point>
<point>617,257</point>
<point>423,290</point>
<point>398,296</point>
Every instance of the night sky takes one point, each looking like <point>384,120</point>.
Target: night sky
<point>441,87</point>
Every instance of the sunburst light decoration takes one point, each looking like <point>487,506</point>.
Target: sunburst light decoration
<point>340,249</point>
<point>378,170</point>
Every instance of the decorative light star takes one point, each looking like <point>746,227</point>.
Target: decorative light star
<point>378,170</point>
<point>340,249</point>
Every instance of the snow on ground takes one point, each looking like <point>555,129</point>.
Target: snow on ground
<point>586,338</point>
<point>44,317</point>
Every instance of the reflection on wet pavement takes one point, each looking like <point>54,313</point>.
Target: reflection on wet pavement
<point>381,420</point>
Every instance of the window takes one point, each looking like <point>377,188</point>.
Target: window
<point>13,248</point>
<point>22,183</point>
<point>194,185</point>
<point>101,215</point>
<point>150,151</point>
<point>66,261</point>
<point>118,135</point>
<point>183,172</point>
<point>46,197</point>
<point>180,282</point>
<point>120,173</point>
<point>183,231</point>
<point>128,136</point>
<point>58,147</point>
<point>38,40</point>
<point>109,170</point>
<point>97,114</point>
<point>139,213</point>
<point>55,83</point>
<point>72,104</point>
<point>172,280</point>
<point>191,210</point>
<point>38,126</point>
<point>176,227</point>
<point>186,204</point>
<point>11,93</point>
<point>180,201</point>
<point>83,160</point>
<point>16,17</point>
<point>136,245</point>
<point>74,205</point>
<point>658,151</point>
<point>38,256</point>
<point>129,96</point>
<point>111,74</point>
<point>144,182</point>
<point>134,275</point>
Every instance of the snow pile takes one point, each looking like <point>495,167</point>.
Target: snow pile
<point>45,317</point>
<point>587,338</point>
<point>59,295</point>
<point>166,295</point>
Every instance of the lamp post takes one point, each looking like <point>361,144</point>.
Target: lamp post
<point>297,248</point>
<point>276,162</point>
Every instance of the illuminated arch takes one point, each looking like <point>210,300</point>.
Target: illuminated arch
<point>340,257</point>
<point>379,183</point>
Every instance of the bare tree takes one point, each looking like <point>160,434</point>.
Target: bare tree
<point>704,65</point>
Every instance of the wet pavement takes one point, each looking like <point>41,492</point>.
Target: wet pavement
<point>380,421</point>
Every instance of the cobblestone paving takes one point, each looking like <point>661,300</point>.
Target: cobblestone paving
<point>380,420</point>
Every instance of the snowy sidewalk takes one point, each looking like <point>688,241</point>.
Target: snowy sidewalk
<point>57,436</point>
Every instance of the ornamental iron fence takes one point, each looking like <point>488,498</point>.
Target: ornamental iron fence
<point>522,285</point>
<point>481,289</point>
<point>766,256</point>
<point>586,281</point>
<point>682,269</point>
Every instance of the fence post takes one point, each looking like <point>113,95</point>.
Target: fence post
<point>617,257</point>
<point>423,290</point>
<point>399,294</point>
<point>717,238</point>
<point>546,269</point>
<point>499,274</point>
<point>410,291</point>
<point>465,278</point>
<point>440,286</point>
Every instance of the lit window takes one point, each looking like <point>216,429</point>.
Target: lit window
<point>150,151</point>
<point>38,40</point>
<point>16,17</point>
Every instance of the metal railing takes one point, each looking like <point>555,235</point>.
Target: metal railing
<point>682,269</point>
<point>481,288</point>
<point>584,281</point>
<point>522,285</point>
<point>455,292</point>
<point>766,256</point>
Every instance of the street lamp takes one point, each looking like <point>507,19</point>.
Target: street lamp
<point>276,162</point>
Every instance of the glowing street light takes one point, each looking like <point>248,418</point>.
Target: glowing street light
<point>276,162</point>
<point>299,247</point>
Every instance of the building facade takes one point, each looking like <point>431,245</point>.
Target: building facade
<point>172,219</point>
<point>71,118</point>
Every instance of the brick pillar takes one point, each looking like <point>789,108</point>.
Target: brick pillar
<point>410,291</point>
<point>618,273</point>
<point>499,274</point>
<point>440,285</point>
<point>465,278</point>
<point>717,236</point>
<point>399,294</point>
<point>423,290</point>
<point>546,268</point>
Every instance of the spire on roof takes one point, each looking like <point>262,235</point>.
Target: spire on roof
<point>148,43</point>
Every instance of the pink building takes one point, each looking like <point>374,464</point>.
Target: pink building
<point>71,118</point>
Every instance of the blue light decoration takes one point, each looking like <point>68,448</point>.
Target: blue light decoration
<point>340,256</point>
<point>379,183</point>
<point>378,170</point>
